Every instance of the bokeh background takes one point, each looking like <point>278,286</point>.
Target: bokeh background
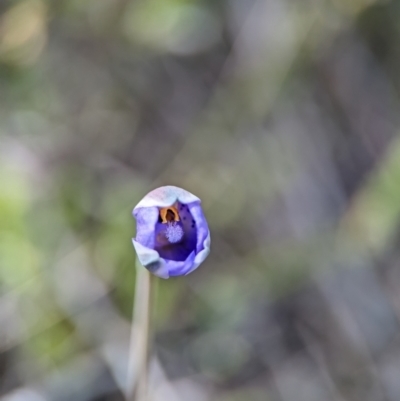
<point>282,115</point>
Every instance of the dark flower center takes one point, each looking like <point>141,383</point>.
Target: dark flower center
<point>175,232</point>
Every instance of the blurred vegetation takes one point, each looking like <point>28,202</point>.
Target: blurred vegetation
<point>282,116</point>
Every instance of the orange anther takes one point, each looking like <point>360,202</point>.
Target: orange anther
<point>169,214</point>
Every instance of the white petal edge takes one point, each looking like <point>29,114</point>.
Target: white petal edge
<point>166,196</point>
<point>148,257</point>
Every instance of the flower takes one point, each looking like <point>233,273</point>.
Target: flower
<point>172,235</point>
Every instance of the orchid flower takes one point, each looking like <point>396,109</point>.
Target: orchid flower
<point>172,235</point>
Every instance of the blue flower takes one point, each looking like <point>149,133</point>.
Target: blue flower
<point>172,235</point>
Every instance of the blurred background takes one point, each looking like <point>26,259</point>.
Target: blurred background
<point>282,116</point>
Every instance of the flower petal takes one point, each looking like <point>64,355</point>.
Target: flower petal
<point>166,196</point>
<point>146,220</point>
<point>180,268</point>
<point>150,259</point>
<point>201,224</point>
<point>202,255</point>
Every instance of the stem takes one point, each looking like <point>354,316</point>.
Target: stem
<point>137,388</point>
